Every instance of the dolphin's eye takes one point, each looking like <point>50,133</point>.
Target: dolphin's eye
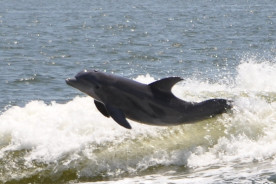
<point>95,70</point>
<point>97,87</point>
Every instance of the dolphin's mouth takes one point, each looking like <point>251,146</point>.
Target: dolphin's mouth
<point>71,81</point>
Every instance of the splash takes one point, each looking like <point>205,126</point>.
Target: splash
<point>256,76</point>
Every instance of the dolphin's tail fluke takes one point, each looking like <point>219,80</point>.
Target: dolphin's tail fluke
<point>213,107</point>
<point>218,106</point>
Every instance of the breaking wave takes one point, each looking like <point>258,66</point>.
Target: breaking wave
<point>73,142</point>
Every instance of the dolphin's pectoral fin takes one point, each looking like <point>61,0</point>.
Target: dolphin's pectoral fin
<point>118,116</point>
<point>101,107</point>
<point>165,85</point>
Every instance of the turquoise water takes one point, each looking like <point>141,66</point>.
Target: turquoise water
<point>52,133</point>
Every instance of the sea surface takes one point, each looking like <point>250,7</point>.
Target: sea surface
<point>52,133</point>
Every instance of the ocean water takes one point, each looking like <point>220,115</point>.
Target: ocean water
<point>52,133</point>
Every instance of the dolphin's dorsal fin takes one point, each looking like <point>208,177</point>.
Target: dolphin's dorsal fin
<point>101,107</point>
<point>165,85</point>
<point>118,116</point>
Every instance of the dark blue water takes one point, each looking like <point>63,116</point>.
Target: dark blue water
<point>220,48</point>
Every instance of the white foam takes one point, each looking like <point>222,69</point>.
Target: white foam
<point>256,76</point>
<point>53,131</point>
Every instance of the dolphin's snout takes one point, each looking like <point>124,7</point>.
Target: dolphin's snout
<point>70,81</point>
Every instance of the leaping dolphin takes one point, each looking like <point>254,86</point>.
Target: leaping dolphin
<point>152,104</point>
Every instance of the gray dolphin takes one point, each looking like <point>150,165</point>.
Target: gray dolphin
<point>152,104</point>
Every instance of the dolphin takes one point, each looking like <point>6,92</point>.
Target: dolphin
<point>153,104</point>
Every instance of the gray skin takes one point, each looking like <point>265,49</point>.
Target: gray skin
<point>152,104</point>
